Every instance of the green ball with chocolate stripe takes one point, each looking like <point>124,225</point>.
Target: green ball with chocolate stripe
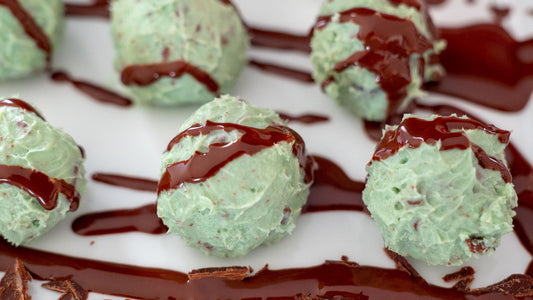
<point>357,87</point>
<point>202,43</point>
<point>30,145</point>
<point>437,201</point>
<point>20,54</point>
<point>241,183</point>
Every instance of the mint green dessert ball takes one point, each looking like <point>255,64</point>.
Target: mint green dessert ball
<point>372,56</point>
<point>440,190</point>
<point>21,54</point>
<point>177,52</point>
<point>41,170</point>
<point>233,179</point>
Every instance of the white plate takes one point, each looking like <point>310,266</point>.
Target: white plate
<point>130,141</point>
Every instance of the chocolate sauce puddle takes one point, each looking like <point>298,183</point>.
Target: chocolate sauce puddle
<point>98,93</point>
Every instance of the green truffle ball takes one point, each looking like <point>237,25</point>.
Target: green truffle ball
<point>356,87</point>
<point>441,206</point>
<point>20,55</point>
<point>251,200</point>
<point>206,34</point>
<point>29,142</point>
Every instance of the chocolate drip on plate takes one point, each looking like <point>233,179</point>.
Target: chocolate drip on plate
<point>291,73</point>
<point>92,90</point>
<point>98,8</point>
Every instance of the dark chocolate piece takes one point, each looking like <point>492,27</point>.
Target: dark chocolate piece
<point>291,73</point>
<point>229,273</point>
<point>14,284</point>
<point>68,289</point>
<point>464,278</point>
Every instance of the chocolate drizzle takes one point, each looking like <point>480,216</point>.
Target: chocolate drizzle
<point>98,8</point>
<point>20,104</point>
<point>140,184</point>
<point>389,42</point>
<point>201,166</point>
<point>279,40</point>
<point>32,29</point>
<point>412,132</point>
<point>299,75</point>
<point>39,185</point>
<point>95,92</point>
<point>306,118</point>
<point>143,75</point>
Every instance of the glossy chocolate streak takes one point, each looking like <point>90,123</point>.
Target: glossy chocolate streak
<point>501,78</point>
<point>20,104</point>
<point>291,73</point>
<point>413,132</point>
<point>389,42</point>
<point>39,185</point>
<point>306,118</point>
<point>142,219</point>
<point>202,166</point>
<point>143,75</point>
<point>93,91</point>
<point>99,8</point>
<point>134,183</point>
<point>32,29</point>
<point>279,40</point>
<point>324,281</point>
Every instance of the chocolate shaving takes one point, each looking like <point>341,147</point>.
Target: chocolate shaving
<point>69,289</point>
<point>230,273</point>
<point>402,263</point>
<point>464,278</point>
<point>516,285</point>
<point>14,284</point>
<point>476,245</point>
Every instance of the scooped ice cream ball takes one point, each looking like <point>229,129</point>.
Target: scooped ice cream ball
<point>372,57</point>
<point>234,178</point>
<point>41,173</point>
<point>440,190</point>
<point>176,52</point>
<point>29,32</point>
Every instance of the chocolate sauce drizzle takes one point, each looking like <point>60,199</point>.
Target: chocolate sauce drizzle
<point>39,185</point>
<point>139,184</point>
<point>98,93</point>
<point>98,8</point>
<point>292,73</point>
<point>279,40</point>
<point>389,42</point>
<point>20,104</point>
<point>413,132</point>
<point>143,75</point>
<point>32,29</point>
<point>305,118</point>
<point>202,166</point>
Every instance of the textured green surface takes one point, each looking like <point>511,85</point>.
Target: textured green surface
<point>19,54</point>
<point>356,88</point>
<point>242,206</point>
<point>29,142</point>
<point>459,200</point>
<point>206,33</point>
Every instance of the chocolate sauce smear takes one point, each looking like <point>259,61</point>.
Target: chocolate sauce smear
<point>202,166</point>
<point>98,93</point>
<point>98,8</point>
<point>305,118</point>
<point>143,75</point>
<point>140,184</point>
<point>389,42</point>
<point>501,78</point>
<point>20,104</point>
<point>279,40</point>
<point>331,279</point>
<point>32,29</point>
<point>291,73</point>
